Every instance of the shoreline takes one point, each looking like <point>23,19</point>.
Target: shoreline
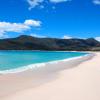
<point>38,65</point>
<point>12,83</point>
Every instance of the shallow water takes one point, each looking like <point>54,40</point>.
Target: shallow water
<point>17,59</point>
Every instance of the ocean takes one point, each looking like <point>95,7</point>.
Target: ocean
<point>13,60</point>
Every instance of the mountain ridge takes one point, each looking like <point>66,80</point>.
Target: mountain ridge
<point>25,42</point>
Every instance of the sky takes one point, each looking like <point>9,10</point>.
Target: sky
<point>50,18</point>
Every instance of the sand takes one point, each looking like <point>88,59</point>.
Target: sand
<point>76,80</point>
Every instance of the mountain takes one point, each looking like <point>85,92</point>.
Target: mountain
<point>25,42</point>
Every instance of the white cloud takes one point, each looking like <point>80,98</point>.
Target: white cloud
<point>2,35</point>
<point>97,38</point>
<point>35,23</point>
<point>58,1</point>
<point>17,27</point>
<point>35,3</point>
<point>97,2</point>
<point>67,37</point>
<point>13,27</point>
<point>36,35</point>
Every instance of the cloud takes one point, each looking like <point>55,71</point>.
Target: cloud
<point>13,27</point>
<point>36,35</point>
<point>97,38</point>
<point>2,35</point>
<point>35,3</point>
<point>33,23</point>
<point>67,37</point>
<point>59,1</point>
<point>18,27</point>
<point>97,2</point>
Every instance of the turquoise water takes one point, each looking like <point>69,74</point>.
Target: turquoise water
<point>17,59</point>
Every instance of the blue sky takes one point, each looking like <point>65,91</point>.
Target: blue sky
<point>50,18</point>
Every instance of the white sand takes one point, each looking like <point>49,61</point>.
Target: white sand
<point>81,82</point>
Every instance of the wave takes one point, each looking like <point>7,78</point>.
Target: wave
<point>39,65</point>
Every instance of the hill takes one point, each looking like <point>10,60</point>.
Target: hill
<point>25,42</point>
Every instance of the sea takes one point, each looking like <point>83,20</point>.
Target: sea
<point>17,60</point>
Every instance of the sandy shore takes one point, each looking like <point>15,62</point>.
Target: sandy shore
<point>73,80</point>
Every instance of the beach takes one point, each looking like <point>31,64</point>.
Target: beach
<point>76,79</point>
